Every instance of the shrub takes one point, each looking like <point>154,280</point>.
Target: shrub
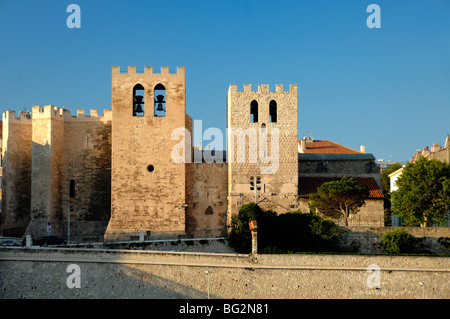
<point>240,237</point>
<point>285,233</point>
<point>399,241</point>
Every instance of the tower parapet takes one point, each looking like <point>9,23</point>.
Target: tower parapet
<point>148,70</point>
<point>10,117</point>
<point>264,88</point>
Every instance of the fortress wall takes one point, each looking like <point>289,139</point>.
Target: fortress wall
<point>16,175</point>
<point>87,162</point>
<point>208,189</point>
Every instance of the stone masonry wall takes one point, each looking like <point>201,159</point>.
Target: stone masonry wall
<point>44,273</point>
<point>371,214</point>
<point>365,239</point>
<point>208,189</point>
<point>341,168</point>
<point>87,161</point>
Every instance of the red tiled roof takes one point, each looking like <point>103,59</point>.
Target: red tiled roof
<point>327,147</point>
<point>309,185</point>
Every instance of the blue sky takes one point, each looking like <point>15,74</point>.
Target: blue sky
<point>387,88</point>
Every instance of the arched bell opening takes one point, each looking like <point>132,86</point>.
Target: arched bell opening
<point>254,112</point>
<point>160,100</point>
<point>273,111</point>
<point>138,100</point>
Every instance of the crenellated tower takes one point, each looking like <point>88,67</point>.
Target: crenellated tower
<point>148,188</point>
<point>16,173</point>
<point>262,142</point>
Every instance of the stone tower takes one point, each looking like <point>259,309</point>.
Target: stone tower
<point>148,188</point>
<point>262,142</point>
<point>16,170</point>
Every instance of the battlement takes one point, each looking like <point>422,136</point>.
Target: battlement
<point>10,117</point>
<point>94,116</point>
<point>264,88</point>
<point>50,111</point>
<point>148,70</point>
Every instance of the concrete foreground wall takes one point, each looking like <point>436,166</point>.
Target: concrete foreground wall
<point>46,273</point>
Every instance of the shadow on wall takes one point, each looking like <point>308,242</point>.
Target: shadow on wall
<point>16,171</point>
<point>168,284</point>
<point>102,281</point>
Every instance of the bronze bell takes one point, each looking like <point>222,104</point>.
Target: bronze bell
<point>138,101</point>
<point>160,101</point>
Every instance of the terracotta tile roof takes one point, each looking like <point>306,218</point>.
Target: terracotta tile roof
<point>327,147</point>
<point>309,185</point>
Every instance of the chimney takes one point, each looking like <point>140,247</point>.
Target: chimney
<point>362,148</point>
<point>302,145</point>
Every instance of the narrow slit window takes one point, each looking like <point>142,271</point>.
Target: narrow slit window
<point>138,100</point>
<point>273,111</point>
<point>72,188</point>
<point>254,112</point>
<point>160,100</point>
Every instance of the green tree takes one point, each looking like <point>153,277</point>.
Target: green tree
<point>423,193</point>
<point>343,197</point>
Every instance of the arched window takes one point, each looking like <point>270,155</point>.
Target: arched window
<point>138,100</point>
<point>273,111</point>
<point>254,112</point>
<point>72,188</point>
<point>209,211</point>
<point>160,100</point>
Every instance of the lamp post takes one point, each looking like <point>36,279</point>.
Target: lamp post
<point>207,274</point>
<point>69,209</point>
